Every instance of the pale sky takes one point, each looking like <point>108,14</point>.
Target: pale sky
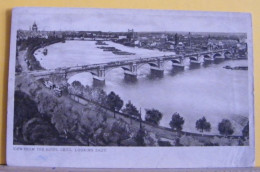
<point>90,19</point>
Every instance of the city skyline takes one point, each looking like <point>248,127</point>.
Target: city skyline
<point>109,20</point>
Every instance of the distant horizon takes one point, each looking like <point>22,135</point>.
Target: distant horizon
<point>120,20</point>
<point>185,32</point>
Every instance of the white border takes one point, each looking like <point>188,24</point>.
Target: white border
<point>132,157</point>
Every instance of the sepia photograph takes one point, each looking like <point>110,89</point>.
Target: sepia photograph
<point>112,78</point>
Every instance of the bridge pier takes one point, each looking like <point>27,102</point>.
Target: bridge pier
<point>208,59</point>
<point>219,57</point>
<point>130,76</point>
<point>157,68</point>
<point>194,61</point>
<point>178,63</point>
<point>99,77</point>
<point>99,82</point>
<point>130,73</point>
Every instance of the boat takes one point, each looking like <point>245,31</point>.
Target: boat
<point>45,51</point>
<point>236,67</point>
<point>101,43</point>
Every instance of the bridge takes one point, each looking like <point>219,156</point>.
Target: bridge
<point>130,67</point>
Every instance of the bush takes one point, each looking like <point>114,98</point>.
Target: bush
<point>39,132</point>
<point>245,131</point>
<point>164,143</point>
<point>24,109</point>
<point>18,69</point>
<point>120,130</point>
<point>139,138</point>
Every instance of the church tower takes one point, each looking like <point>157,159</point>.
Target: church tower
<point>34,27</point>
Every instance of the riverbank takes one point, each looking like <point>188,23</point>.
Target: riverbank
<point>163,132</point>
<point>70,116</point>
<point>30,46</point>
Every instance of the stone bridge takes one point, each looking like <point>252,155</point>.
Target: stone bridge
<point>130,67</point>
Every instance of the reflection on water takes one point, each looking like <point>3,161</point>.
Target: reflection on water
<point>210,91</point>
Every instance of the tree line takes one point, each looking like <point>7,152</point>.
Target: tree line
<point>153,116</point>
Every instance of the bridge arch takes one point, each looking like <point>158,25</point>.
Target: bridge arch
<point>217,54</point>
<point>84,77</point>
<point>228,54</point>
<point>139,66</point>
<point>108,70</point>
<point>206,56</point>
<point>178,60</point>
<point>195,58</point>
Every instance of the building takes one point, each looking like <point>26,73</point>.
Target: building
<point>122,37</point>
<point>176,39</point>
<point>131,35</point>
<point>34,27</point>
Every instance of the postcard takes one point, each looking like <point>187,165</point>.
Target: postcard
<point>125,88</point>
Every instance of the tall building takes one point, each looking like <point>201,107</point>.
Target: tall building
<point>34,27</point>
<point>189,37</point>
<point>176,39</point>
<point>131,34</point>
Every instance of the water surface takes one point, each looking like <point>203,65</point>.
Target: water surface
<point>212,91</point>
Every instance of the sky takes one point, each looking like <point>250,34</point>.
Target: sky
<point>115,20</point>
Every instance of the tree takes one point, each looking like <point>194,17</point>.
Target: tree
<point>39,132</point>
<point>131,110</point>
<point>139,138</point>
<point>176,122</point>
<point>77,88</point>
<point>102,96</point>
<point>245,131</point>
<point>87,133</point>
<point>203,125</point>
<point>119,131</point>
<point>76,84</point>
<point>153,116</point>
<point>24,109</point>
<point>225,127</point>
<point>114,102</point>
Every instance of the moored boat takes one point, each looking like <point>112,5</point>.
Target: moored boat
<point>45,51</point>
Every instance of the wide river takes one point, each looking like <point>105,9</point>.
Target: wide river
<point>212,91</point>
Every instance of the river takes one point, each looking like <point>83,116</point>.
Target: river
<point>212,91</point>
